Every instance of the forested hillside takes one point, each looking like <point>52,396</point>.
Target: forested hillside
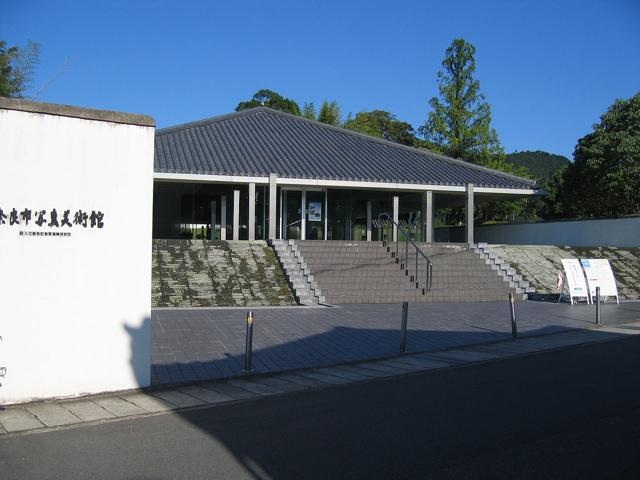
<point>541,165</point>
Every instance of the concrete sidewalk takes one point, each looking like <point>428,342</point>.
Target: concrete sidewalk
<point>56,414</point>
<point>191,345</point>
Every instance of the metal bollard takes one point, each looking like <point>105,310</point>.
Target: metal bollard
<point>598,320</point>
<point>248,351</point>
<point>514,324</point>
<point>403,327</point>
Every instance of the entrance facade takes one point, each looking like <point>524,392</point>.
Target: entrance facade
<point>217,211</point>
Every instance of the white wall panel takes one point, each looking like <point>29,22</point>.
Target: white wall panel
<point>74,310</point>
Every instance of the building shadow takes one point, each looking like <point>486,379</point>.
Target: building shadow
<point>139,340</point>
<point>246,429</point>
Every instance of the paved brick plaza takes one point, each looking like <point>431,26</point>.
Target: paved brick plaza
<point>200,344</point>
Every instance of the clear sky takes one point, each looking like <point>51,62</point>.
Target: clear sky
<point>549,69</point>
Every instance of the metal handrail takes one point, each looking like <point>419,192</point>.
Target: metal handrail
<point>408,239</point>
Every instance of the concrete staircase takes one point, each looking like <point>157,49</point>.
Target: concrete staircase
<point>504,269</point>
<point>203,273</point>
<point>367,272</point>
<point>302,283</point>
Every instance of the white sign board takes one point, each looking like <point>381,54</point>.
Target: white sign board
<point>575,279</point>
<point>599,274</point>
<point>315,212</point>
<point>75,258</point>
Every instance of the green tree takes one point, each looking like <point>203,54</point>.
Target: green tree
<point>329,113</point>
<point>309,111</point>
<point>460,120</point>
<point>524,209</point>
<point>271,99</point>
<point>381,124</point>
<point>604,179</point>
<point>17,67</point>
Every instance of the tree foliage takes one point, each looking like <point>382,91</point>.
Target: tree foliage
<point>547,169</point>
<point>381,124</point>
<point>523,209</point>
<point>329,113</point>
<point>604,179</point>
<point>460,120</point>
<point>309,111</point>
<point>17,67</point>
<point>271,99</point>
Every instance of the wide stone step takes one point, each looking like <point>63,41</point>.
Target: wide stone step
<point>353,272</point>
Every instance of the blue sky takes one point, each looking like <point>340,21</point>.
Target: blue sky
<point>548,68</point>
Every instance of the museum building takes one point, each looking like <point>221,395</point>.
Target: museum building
<point>264,174</point>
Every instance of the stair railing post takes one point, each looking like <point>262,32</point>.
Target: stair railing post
<point>403,327</point>
<point>397,259</point>
<point>406,253</point>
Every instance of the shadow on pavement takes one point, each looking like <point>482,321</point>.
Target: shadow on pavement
<point>248,431</point>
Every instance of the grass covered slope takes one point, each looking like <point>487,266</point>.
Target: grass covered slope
<point>197,273</point>
<point>539,265</point>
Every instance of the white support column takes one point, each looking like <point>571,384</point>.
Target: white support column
<point>396,208</point>
<point>326,212</point>
<point>303,216</point>
<point>223,217</point>
<point>252,211</point>
<point>427,216</point>
<point>214,207</point>
<point>273,200</point>
<point>236,214</point>
<point>369,220</point>
<point>470,213</point>
<point>283,214</point>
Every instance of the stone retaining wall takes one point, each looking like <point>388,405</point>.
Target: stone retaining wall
<point>539,265</point>
<point>197,273</point>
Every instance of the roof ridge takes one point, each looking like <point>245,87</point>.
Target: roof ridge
<point>344,131</point>
<point>215,119</point>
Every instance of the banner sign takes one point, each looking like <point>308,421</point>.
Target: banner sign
<point>314,213</point>
<point>599,274</point>
<point>575,279</point>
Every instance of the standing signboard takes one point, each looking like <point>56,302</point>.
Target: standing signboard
<point>575,279</point>
<point>599,274</point>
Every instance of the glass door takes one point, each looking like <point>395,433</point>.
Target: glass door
<point>293,214</point>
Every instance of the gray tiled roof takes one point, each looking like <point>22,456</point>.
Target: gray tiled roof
<point>261,141</point>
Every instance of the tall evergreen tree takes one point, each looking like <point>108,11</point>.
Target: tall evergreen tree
<point>309,111</point>
<point>329,113</point>
<point>460,120</point>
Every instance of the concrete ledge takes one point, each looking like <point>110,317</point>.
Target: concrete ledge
<point>23,105</point>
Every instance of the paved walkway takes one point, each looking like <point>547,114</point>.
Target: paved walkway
<point>43,416</point>
<point>205,344</point>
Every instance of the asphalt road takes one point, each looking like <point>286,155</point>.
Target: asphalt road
<point>566,414</point>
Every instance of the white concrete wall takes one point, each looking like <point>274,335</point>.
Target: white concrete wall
<point>618,232</point>
<point>74,310</point>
